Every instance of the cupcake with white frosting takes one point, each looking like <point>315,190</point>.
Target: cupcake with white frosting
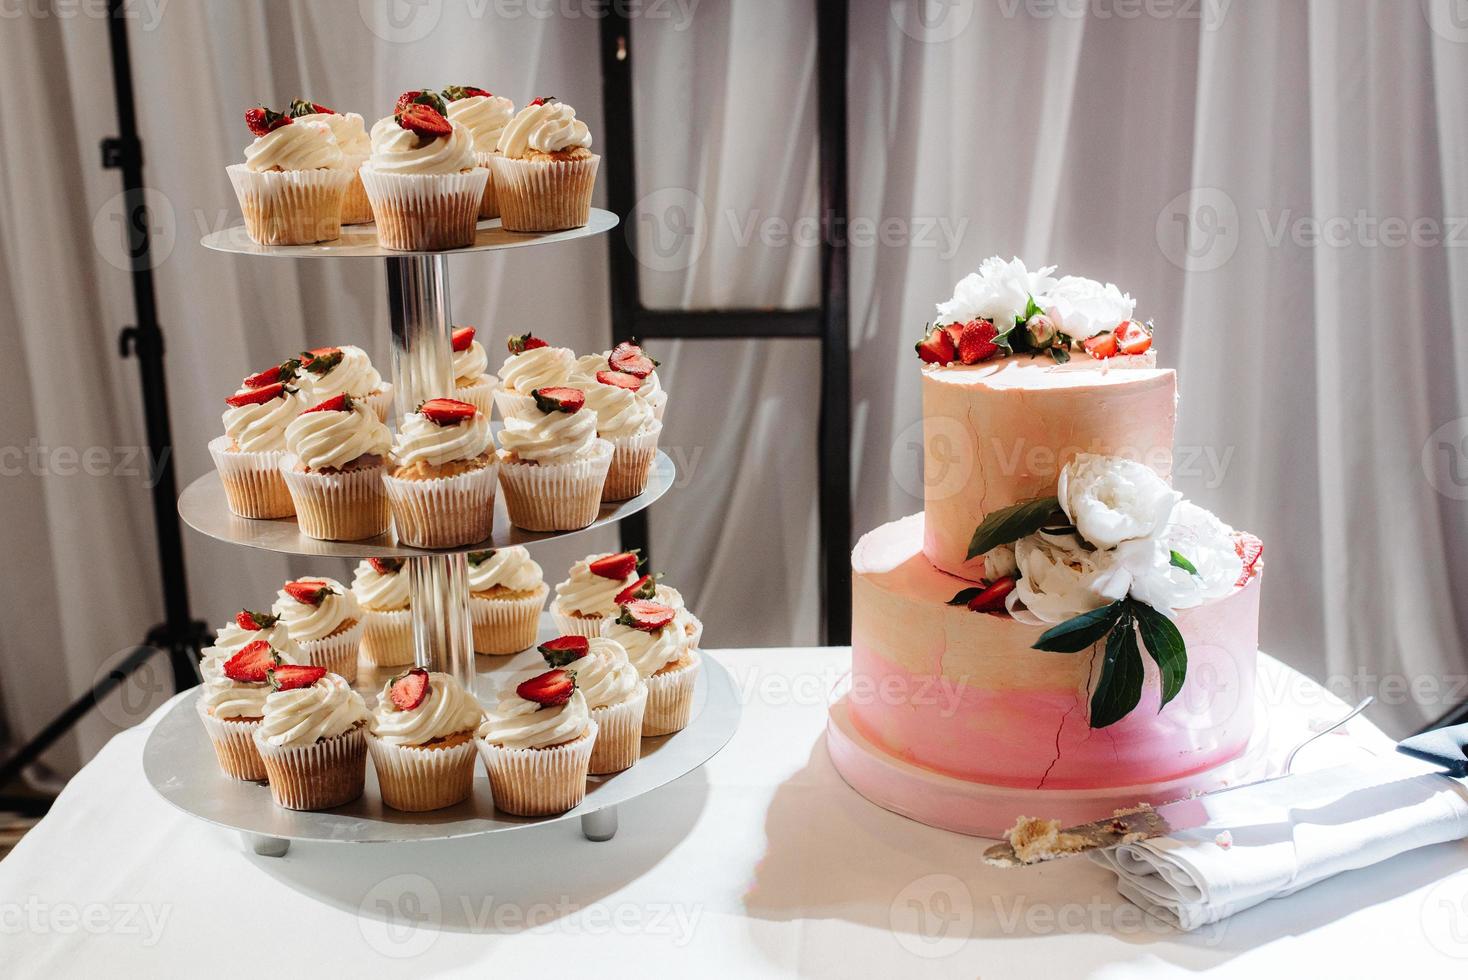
<point>691,625</point>
<point>232,700</point>
<point>292,182</point>
<point>247,627</point>
<point>443,478</point>
<point>552,465</point>
<point>380,586</point>
<point>325,622</point>
<point>472,381</point>
<point>507,591</point>
<point>537,744</point>
<point>485,115</point>
<point>658,648</point>
<point>313,738</point>
<point>544,170</point>
<point>335,457</point>
<point>628,423</point>
<point>326,372</point>
<point>532,364</point>
<point>614,691</point>
<point>592,592</point>
<point>249,454</point>
<point>422,741</point>
<point>421,177</point>
<point>351,137</point>
<point>629,362</point>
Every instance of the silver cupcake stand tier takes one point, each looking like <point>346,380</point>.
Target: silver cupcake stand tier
<point>178,759</point>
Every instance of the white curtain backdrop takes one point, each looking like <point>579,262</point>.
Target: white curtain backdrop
<point>1244,170</point>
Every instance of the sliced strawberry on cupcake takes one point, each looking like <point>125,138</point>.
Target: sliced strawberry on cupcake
<point>301,107</point>
<point>263,121</point>
<point>252,663</point>
<point>453,93</point>
<point>644,588</point>
<point>646,615</point>
<point>292,677</point>
<point>446,411</point>
<point>321,359</point>
<point>409,689</point>
<point>256,396</point>
<point>617,566</point>
<point>564,650</point>
<point>520,343</point>
<point>462,338</point>
<point>309,591</point>
<point>619,379</point>
<point>628,358</point>
<point>247,619</point>
<point>386,566</point>
<point>423,97</point>
<point>281,373</point>
<point>425,122</point>
<point>558,399</point>
<point>550,689</point>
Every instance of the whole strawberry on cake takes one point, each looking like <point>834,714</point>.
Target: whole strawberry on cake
<point>293,181</point>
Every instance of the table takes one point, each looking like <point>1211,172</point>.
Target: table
<point>762,863</point>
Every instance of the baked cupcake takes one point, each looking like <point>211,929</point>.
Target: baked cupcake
<point>335,458</point>
<point>472,381</point>
<point>544,170</point>
<point>552,465</point>
<point>443,476</point>
<point>232,702</point>
<point>658,648</point>
<point>292,181</point>
<point>589,596</point>
<point>421,177</point>
<point>347,370</point>
<point>324,620</point>
<point>614,691</point>
<point>506,594</point>
<point>351,138</point>
<point>532,364</point>
<point>248,455</point>
<point>625,359</point>
<point>380,587</point>
<point>537,744</point>
<point>312,738</point>
<point>422,741</point>
<point>484,115</point>
<point>691,625</point>
<point>628,423</point>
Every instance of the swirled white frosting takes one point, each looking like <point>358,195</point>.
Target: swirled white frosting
<point>396,150</point>
<point>517,723</point>
<point>484,116</point>
<point>648,651</point>
<point>605,676</point>
<point>306,715</point>
<point>224,698</point>
<point>510,568</point>
<point>548,127</point>
<point>470,363</point>
<point>378,592</point>
<point>684,618</point>
<point>550,437</point>
<point>537,368</point>
<point>331,440</point>
<point>588,593</point>
<point>350,132</point>
<point>295,146</point>
<point>229,640</point>
<point>352,375</point>
<point>619,412</point>
<point>447,710</point>
<point>261,428</point>
<point>307,622</point>
<point>583,372</point>
<point>421,440</point>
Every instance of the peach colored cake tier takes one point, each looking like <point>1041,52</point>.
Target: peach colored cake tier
<point>962,693</point>
<point>999,432</point>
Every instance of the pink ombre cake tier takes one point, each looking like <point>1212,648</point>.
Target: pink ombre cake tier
<point>962,693</point>
<point>999,432</point>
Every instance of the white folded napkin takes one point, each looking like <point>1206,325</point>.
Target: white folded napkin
<point>1274,838</point>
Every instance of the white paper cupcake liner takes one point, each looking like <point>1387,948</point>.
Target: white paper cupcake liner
<point>570,625</point>
<point>290,207</point>
<point>421,778</point>
<point>444,512</point>
<point>489,206</point>
<point>544,195</point>
<point>513,404</point>
<point>380,401</point>
<point>318,776</point>
<point>387,637</point>
<point>670,699</point>
<point>509,625</point>
<point>632,458</point>
<point>337,652</point>
<point>539,782</point>
<point>253,486</point>
<point>619,734</point>
<point>356,209</point>
<point>556,496</point>
<point>480,394</point>
<point>346,506</point>
<point>234,745</point>
<point>422,212</point>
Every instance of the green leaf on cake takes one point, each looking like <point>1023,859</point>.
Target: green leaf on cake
<point>1178,561</point>
<point>1008,525</point>
<point>1120,686</point>
<point>1080,632</point>
<point>1031,308</point>
<point>963,597</point>
<point>1060,354</point>
<point>1165,645</point>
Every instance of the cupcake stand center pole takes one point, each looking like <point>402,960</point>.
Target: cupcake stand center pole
<point>422,367</point>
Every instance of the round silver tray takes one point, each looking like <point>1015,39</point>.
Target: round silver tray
<point>179,762</point>
<point>203,507</point>
<point>360,241</point>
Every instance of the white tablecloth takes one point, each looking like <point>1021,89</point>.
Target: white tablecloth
<point>762,863</point>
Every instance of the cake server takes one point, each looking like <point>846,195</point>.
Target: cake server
<point>1445,747</point>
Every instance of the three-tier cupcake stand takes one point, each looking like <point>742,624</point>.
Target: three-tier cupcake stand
<point>179,760</point>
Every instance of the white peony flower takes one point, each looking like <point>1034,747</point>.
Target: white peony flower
<point>1110,499</point>
<point>1200,538</point>
<point>1083,307</point>
<point>1059,578</point>
<point>999,291</point>
<point>999,562</point>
